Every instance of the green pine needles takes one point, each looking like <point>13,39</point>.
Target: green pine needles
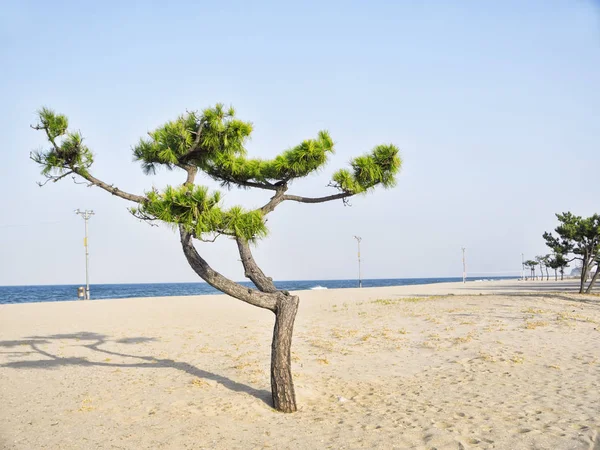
<point>378,167</point>
<point>213,142</point>
<point>200,213</point>
<point>67,154</point>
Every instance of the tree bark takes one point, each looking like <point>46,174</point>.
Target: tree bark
<point>282,385</point>
<point>251,269</point>
<point>109,188</point>
<point>594,278</point>
<point>584,273</point>
<point>284,306</point>
<point>218,281</point>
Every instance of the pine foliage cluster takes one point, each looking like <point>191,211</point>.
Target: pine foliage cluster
<point>213,142</point>
<point>67,152</point>
<point>200,213</point>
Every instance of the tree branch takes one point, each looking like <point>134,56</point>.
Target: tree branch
<point>194,148</point>
<point>225,180</point>
<point>196,142</point>
<point>252,271</point>
<point>109,188</point>
<point>328,198</point>
<point>218,281</point>
<point>54,179</point>
<point>275,200</point>
<point>281,196</point>
<point>210,240</point>
<point>50,138</point>
<point>191,172</point>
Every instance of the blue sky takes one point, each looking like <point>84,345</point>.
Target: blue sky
<point>494,105</point>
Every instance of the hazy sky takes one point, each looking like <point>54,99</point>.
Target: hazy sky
<point>494,105</point>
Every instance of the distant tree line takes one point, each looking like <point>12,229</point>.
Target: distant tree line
<point>556,261</point>
<point>577,239</point>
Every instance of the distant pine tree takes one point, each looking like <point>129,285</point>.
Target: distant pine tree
<point>579,237</point>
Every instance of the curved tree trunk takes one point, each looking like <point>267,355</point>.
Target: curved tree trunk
<point>594,279</point>
<point>282,385</point>
<point>284,305</point>
<point>584,275</point>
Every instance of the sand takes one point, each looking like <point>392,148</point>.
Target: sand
<point>374,368</point>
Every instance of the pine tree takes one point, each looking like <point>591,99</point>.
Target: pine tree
<point>557,262</point>
<point>531,264</point>
<point>213,142</point>
<point>579,237</point>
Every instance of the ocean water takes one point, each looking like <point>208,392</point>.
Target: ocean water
<point>31,294</point>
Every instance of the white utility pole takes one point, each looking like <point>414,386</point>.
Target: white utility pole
<point>464,266</point>
<point>86,216</point>
<point>358,239</point>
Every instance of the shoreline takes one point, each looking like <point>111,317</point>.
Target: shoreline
<point>246,281</point>
<point>503,286</point>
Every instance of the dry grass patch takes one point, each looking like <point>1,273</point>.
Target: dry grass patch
<point>463,339</point>
<point>565,316</point>
<point>430,345</point>
<point>242,365</point>
<point>433,320</point>
<point>342,333</point>
<point>86,405</point>
<point>199,383</point>
<point>487,357</point>
<point>533,324</point>
<point>322,344</point>
<point>533,311</point>
<point>517,359</point>
<point>396,301</point>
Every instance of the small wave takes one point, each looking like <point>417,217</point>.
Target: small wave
<point>316,288</point>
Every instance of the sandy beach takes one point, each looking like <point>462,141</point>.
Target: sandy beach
<point>504,365</point>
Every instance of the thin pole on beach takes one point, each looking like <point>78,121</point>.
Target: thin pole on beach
<point>86,216</point>
<point>358,239</point>
<point>464,266</point>
<point>522,267</point>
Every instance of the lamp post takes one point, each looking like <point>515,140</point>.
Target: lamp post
<point>358,239</point>
<point>86,216</point>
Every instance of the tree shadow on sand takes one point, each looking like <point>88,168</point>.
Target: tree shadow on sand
<point>97,341</point>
